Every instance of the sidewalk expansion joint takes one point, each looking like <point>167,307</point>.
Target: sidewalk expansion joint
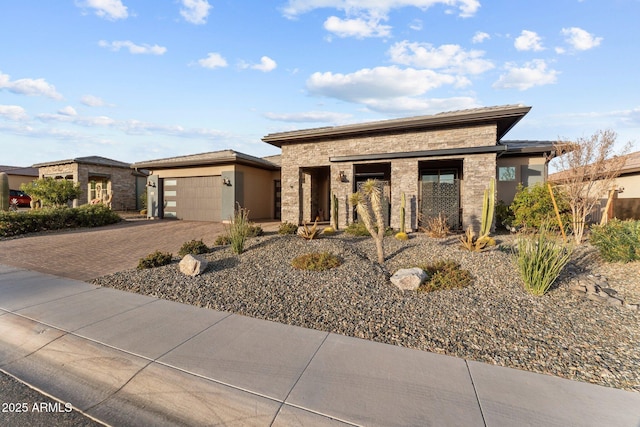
<point>475,392</point>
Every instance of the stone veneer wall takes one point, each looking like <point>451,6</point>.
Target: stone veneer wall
<point>478,169</point>
<point>123,182</point>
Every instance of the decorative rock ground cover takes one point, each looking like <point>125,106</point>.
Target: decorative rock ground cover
<point>494,320</point>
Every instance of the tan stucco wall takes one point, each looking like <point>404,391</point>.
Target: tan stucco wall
<point>15,181</point>
<point>506,190</point>
<point>631,185</point>
<point>404,172</point>
<point>193,171</point>
<point>259,191</point>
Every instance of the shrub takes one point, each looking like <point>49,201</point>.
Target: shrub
<point>155,259</point>
<point>287,228</point>
<point>358,229</point>
<point>328,230</point>
<point>437,227</point>
<point>401,236</point>
<point>17,223</point>
<point>254,230</point>
<point>540,259</point>
<point>617,241</point>
<point>316,261</point>
<point>445,275</point>
<point>238,229</point>
<point>533,205</point>
<point>56,192</point>
<point>222,240</point>
<point>504,215</point>
<point>193,247</point>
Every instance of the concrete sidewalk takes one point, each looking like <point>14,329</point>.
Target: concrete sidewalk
<point>128,359</point>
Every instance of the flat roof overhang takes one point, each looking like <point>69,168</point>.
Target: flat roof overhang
<point>504,117</point>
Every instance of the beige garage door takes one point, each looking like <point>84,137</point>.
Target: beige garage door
<point>194,199</point>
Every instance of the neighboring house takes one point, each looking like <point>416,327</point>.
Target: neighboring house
<point>100,179</point>
<point>208,186</point>
<point>626,199</point>
<point>19,175</point>
<point>441,162</point>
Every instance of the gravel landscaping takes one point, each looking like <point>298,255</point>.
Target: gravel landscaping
<point>494,320</point>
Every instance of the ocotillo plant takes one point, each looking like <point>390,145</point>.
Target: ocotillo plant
<point>334,210</point>
<point>4,191</point>
<point>369,199</point>
<point>488,204</point>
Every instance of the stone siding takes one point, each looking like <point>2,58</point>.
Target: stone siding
<point>477,169</point>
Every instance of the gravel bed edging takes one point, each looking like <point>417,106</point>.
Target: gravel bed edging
<point>494,320</point>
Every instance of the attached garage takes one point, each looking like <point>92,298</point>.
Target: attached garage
<point>208,186</point>
<point>194,198</point>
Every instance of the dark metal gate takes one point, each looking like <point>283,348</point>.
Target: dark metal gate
<point>441,197</point>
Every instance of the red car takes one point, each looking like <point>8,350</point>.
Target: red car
<point>21,198</point>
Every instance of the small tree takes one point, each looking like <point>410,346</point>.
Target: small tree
<point>56,192</point>
<point>368,200</point>
<point>587,171</point>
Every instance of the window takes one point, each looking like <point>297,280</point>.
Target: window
<point>507,173</point>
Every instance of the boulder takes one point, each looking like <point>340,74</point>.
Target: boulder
<point>193,265</point>
<point>409,278</point>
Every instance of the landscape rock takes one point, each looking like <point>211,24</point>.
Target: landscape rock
<point>193,265</point>
<point>409,278</point>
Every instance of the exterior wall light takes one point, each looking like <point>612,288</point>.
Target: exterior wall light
<point>151,184</point>
<point>342,177</point>
<point>226,181</point>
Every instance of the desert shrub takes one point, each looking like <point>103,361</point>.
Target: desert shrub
<point>222,240</point>
<point>357,228</point>
<point>533,205</point>
<point>52,192</point>
<point>193,247</point>
<point>288,228</point>
<point>155,259</point>
<point>504,214</point>
<point>328,231</point>
<point>540,259</point>
<point>316,261</point>
<point>238,229</point>
<point>617,241</point>
<point>254,230</point>
<point>437,226</point>
<point>401,236</point>
<point>17,223</point>
<point>445,275</point>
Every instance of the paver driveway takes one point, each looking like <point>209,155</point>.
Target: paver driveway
<point>88,253</point>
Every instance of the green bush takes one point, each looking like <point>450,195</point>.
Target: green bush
<point>194,247</point>
<point>533,205</point>
<point>254,230</point>
<point>17,223</point>
<point>445,275</point>
<point>357,228</point>
<point>155,259</point>
<point>222,240</point>
<point>617,241</point>
<point>55,192</point>
<point>504,215</point>
<point>540,259</point>
<point>288,228</point>
<point>238,230</point>
<point>316,261</point>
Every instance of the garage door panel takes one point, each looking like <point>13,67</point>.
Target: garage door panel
<point>197,198</point>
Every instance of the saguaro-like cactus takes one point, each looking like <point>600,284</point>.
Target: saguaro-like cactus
<point>488,204</point>
<point>403,204</point>
<point>334,210</point>
<point>4,191</point>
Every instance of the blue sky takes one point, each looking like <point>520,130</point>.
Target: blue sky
<point>138,80</point>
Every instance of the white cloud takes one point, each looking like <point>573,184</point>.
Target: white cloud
<point>416,25</point>
<point>448,57</point>
<point>213,60</point>
<point>379,82</point>
<point>68,111</point>
<point>136,49</point>
<point>534,73</point>
<point>529,40</point>
<point>309,117</point>
<point>195,11</point>
<point>109,9</point>
<point>31,87</point>
<point>92,101</point>
<point>13,112</point>
<point>480,37</point>
<point>580,39</point>
<point>295,8</point>
<point>266,64</point>
<point>358,27</point>
<point>407,105</point>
